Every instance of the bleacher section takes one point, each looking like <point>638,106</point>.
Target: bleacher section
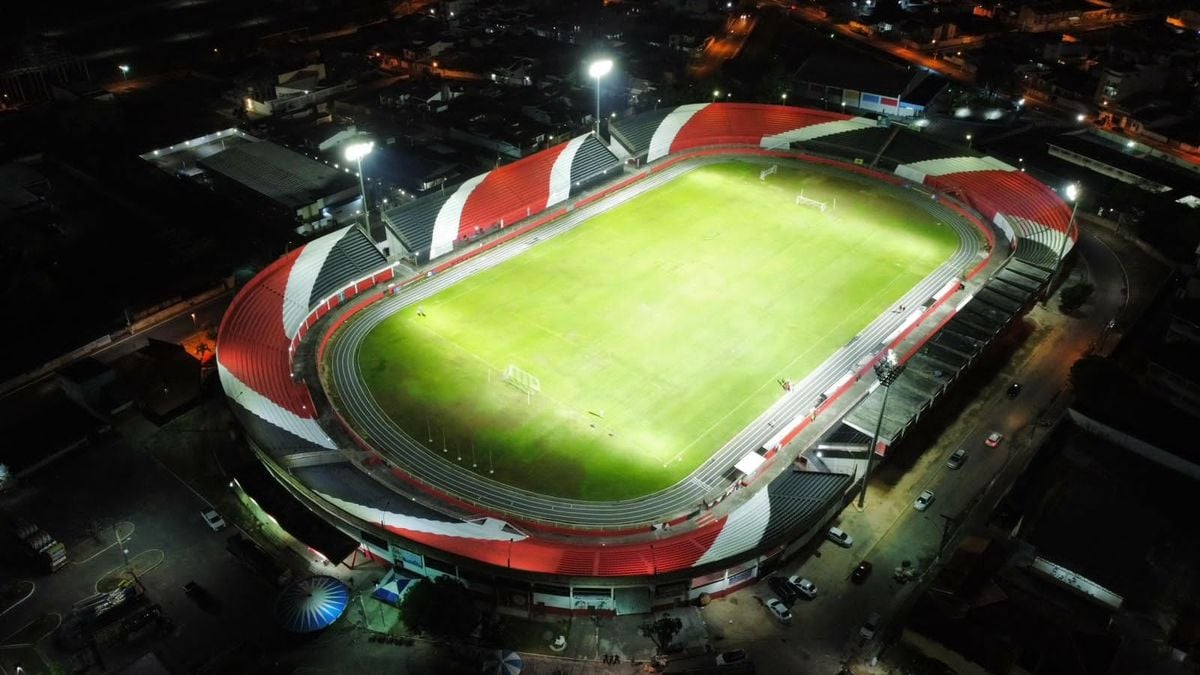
<point>593,162</point>
<point>635,132</point>
<point>353,257</point>
<point>413,222</point>
<point>434,225</point>
<point>744,124</point>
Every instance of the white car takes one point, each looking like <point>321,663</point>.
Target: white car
<point>213,519</point>
<point>869,627</point>
<point>804,587</point>
<point>957,459</point>
<point>840,537</point>
<point>731,657</point>
<point>923,500</point>
<point>780,611</point>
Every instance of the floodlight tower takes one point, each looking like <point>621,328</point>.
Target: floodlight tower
<point>355,153</point>
<point>124,71</point>
<point>597,70</point>
<point>887,370</point>
<point>1073,193</point>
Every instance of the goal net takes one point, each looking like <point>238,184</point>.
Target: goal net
<point>801,200</point>
<point>523,381</point>
<point>762,175</point>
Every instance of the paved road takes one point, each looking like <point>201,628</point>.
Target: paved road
<point>373,422</point>
<point>824,633</point>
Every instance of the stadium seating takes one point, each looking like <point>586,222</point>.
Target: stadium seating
<point>253,346</point>
<point>413,222</point>
<point>635,132</point>
<point>593,160</point>
<point>353,257</point>
<point>745,124</point>
<point>509,193</point>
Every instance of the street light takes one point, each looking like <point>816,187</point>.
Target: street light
<point>355,153</point>
<point>887,370</point>
<point>968,140</point>
<point>124,71</point>
<point>597,70</point>
<point>716,94</point>
<point>784,97</point>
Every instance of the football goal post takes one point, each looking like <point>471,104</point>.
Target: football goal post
<point>801,200</point>
<point>762,175</point>
<point>522,381</point>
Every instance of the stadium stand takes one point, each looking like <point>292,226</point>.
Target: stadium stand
<point>634,133</point>
<point>269,315</point>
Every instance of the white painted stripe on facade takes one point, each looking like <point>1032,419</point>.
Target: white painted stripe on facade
<point>302,277</point>
<point>445,228</point>
<point>560,173</point>
<point>907,172</point>
<point>489,529</point>
<point>812,131</point>
<point>743,529</point>
<point>271,412</point>
<point>664,135</point>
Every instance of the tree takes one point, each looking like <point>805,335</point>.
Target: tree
<point>441,607</point>
<point>662,631</point>
<point>1073,296</point>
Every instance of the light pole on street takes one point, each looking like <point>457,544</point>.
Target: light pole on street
<point>355,153</point>
<point>124,71</point>
<point>597,70</point>
<point>969,141</point>
<point>887,370</point>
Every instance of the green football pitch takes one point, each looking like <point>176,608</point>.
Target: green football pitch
<point>653,332</point>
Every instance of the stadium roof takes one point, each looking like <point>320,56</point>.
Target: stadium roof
<point>278,173</point>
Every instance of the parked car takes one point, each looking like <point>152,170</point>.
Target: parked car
<point>957,459</point>
<point>861,572</point>
<point>994,439</point>
<point>779,610</point>
<point>213,519</point>
<point>1014,389</point>
<point>804,587</point>
<point>923,500</point>
<point>869,627</point>
<point>840,537</point>
<point>783,589</point>
<point>733,656</point>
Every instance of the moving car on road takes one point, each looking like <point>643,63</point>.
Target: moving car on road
<point>994,439</point>
<point>957,459</point>
<point>923,500</point>
<point>1014,389</point>
<point>869,627</point>
<point>861,572</point>
<point>840,537</point>
<point>806,588</point>
<point>779,610</point>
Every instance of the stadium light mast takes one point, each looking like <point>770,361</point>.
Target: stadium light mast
<point>124,71</point>
<point>355,153</point>
<point>597,70</point>
<point>887,370</point>
<point>1073,193</point>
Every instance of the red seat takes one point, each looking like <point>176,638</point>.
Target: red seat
<point>745,124</point>
<point>509,193</point>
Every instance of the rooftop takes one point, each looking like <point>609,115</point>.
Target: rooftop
<point>278,173</point>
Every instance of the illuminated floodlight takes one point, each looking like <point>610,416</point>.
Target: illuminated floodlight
<point>597,70</point>
<point>1080,117</point>
<point>356,151</point>
<point>1073,191</point>
<point>600,68</point>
